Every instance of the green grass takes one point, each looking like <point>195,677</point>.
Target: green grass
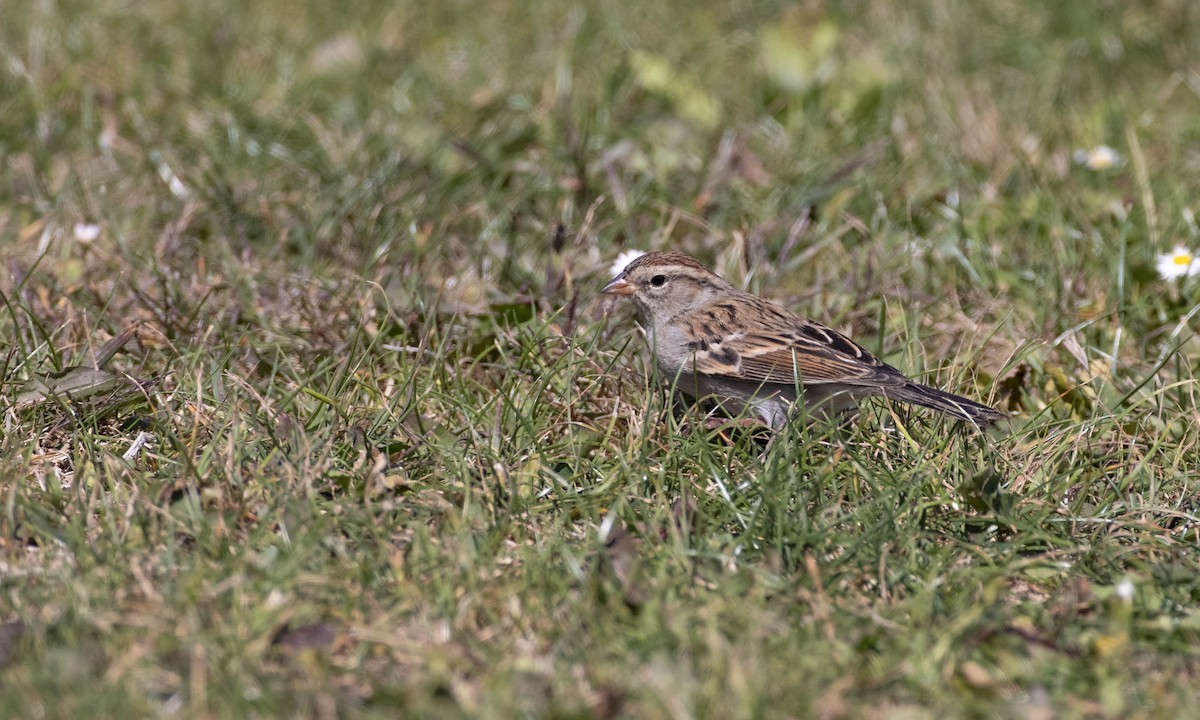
<point>400,459</point>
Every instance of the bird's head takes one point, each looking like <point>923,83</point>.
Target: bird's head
<point>664,284</point>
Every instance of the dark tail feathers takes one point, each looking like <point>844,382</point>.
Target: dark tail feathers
<point>951,404</point>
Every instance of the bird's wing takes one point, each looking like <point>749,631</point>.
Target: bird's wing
<point>780,347</point>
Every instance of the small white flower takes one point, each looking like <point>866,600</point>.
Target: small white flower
<point>624,259</point>
<point>1178,263</point>
<point>1031,144</point>
<point>86,232</point>
<point>1124,590</point>
<point>606,527</point>
<point>1101,157</point>
<point>917,248</point>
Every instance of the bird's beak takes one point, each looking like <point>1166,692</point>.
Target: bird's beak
<point>619,286</point>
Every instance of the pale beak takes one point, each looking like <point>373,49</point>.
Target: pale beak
<point>619,286</point>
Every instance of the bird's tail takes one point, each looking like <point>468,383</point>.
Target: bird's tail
<point>949,403</point>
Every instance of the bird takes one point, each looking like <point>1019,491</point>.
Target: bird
<point>755,358</point>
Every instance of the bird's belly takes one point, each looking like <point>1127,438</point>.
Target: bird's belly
<point>771,402</point>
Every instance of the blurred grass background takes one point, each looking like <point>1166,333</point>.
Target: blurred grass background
<point>374,446</point>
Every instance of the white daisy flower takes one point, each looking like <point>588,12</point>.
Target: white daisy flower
<point>1124,590</point>
<point>86,232</point>
<point>1178,263</point>
<point>623,261</point>
<point>1101,157</point>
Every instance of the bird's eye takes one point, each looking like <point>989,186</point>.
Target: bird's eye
<point>658,280</point>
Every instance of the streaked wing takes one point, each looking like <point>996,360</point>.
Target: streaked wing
<point>785,348</point>
<point>810,362</point>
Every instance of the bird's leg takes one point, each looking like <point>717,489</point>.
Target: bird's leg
<point>714,423</point>
<point>721,424</point>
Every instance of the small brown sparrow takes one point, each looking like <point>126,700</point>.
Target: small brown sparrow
<point>720,343</point>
